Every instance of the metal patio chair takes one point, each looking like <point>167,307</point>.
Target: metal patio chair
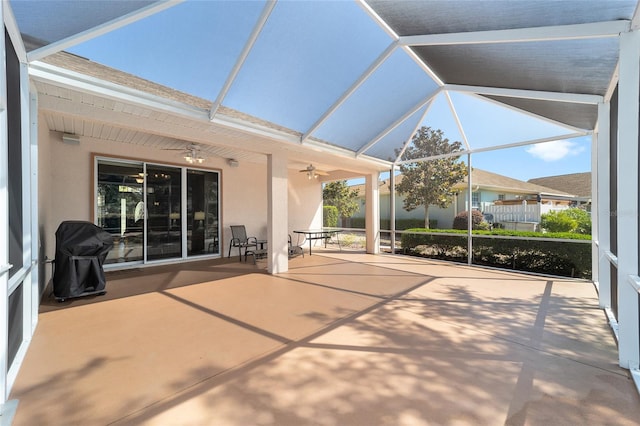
<point>240,240</point>
<point>294,249</point>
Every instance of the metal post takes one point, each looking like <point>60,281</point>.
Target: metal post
<point>392,208</point>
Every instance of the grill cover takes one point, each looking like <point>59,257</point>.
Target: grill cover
<point>81,249</point>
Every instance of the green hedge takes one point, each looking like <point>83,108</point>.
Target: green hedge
<point>330,216</point>
<point>559,258</point>
<point>401,224</point>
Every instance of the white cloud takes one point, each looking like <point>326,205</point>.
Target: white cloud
<point>555,150</point>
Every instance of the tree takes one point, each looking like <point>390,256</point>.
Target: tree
<point>339,194</point>
<point>430,182</point>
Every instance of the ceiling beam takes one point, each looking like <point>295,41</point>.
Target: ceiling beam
<point>195,117</point>
<point>613,83</point>
<point>409,139</point>
<point>497,147</point>
<point>522,35</point>
<point>99,30</point>
<point>456,117</point>
<point>399,121</point>
<point>11,26</point>
<point>253,37</point>
<point>521,111</point>
<point>576,98</point>
<point>369,71</point>
<point>635,21</point>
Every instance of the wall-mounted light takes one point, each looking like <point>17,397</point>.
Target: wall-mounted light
<point>71,139</point>
<point>233,162</point>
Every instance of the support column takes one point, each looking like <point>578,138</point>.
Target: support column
<point>600,212</point>
<point>4,226</point>
<point>469,212</point>
<point>372,212</point>
<point>628,113</point>
<point>277,214</point>
<point>392,208</point>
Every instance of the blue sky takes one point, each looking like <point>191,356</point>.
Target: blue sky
<point>291,79</point>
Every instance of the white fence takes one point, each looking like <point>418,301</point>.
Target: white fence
<point>520,212</point>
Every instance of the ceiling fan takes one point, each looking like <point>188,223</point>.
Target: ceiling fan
<point>191,153</point>
<point>312,172</point>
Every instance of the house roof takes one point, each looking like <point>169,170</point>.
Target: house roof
<point>485,180</point>
<point>302,72</point>
<point>576,183</point>
<point>497,182</point>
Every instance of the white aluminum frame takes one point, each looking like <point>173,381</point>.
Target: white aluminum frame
<point>627,213</point>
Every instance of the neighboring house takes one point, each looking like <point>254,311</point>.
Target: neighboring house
<point>509,200</point>
<point>575,183</point>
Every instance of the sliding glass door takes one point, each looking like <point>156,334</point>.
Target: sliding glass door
<point>164,227</point>
<point>202,212</point>
<point>119,201</point>
<point>157,212</point>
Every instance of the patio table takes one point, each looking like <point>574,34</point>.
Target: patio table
<point>319,234</point>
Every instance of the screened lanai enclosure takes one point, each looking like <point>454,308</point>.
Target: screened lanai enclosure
<point>165,122</point>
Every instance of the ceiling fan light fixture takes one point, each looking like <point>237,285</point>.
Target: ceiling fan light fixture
<point>192,155</point>
<point>312,172</point>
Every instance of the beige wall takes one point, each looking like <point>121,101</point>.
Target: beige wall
<point>66,187</point>
<point>46,223</point>
<point>305,202</point>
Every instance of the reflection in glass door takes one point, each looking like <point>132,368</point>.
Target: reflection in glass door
<point>202,212</point>
<point>164,230</point>
<point>119,212</point>
<point>157,212</point>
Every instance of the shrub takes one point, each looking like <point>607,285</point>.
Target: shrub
<point>460,221</point>
<point>583,218</point>
<point>330,216</point>
<point>570,220</point>
<point>560,258</point>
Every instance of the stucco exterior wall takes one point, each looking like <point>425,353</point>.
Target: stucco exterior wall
<point>46,223</point>
<point>305,202</point>
<point>443,216</point>
<point>66,187</point>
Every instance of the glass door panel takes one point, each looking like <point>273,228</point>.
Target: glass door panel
<point>164,231</point>
<point>119,202</point>
<point>202,213</point>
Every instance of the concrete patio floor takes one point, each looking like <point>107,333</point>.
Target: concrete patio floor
<point>343,338</point>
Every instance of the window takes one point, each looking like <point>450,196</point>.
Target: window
<point>142,205</point>
<point>475,200</point>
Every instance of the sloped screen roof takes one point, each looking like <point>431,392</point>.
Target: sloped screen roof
<point>361,76</point>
